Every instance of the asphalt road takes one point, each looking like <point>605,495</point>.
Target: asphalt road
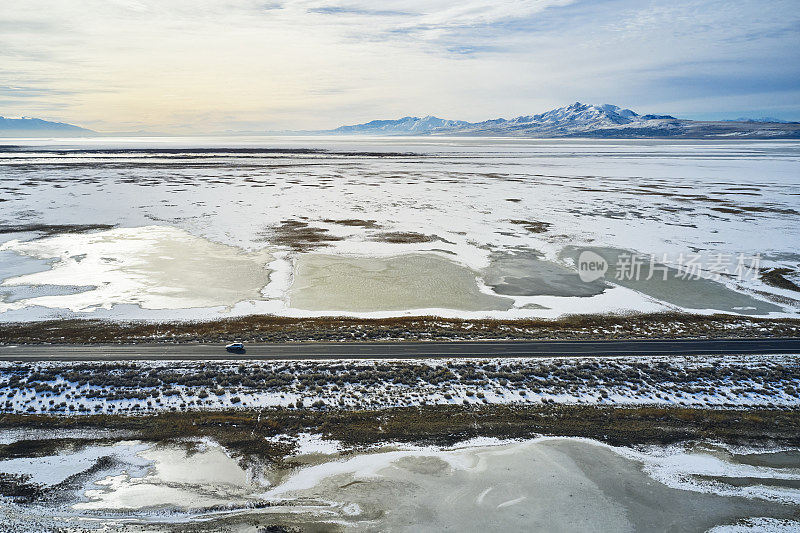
<point>401,350</point>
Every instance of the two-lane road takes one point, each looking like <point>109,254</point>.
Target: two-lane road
<point>402,350</point>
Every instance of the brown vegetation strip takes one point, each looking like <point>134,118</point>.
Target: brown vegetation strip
<point>243,431</point>
<point>404,237</point>
<point>55,229</point>
<point>268,328</point>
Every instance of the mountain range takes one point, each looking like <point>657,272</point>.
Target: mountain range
<point>575,120</point>
<point>34,127</point>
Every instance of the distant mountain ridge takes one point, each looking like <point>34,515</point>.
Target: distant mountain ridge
<point>405,125</point>
<point>38,127</point>
<point>575,120</point>
<point>762,119</point>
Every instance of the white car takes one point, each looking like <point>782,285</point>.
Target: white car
<point>236,347</point>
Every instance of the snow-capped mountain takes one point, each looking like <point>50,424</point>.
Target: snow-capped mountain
<point>37,126</point>
<point>403,126</point>
<point>575,120</point>
<point>579,114</point>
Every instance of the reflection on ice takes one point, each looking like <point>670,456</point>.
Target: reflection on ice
<point>177,478</point>
<point>156,267</point>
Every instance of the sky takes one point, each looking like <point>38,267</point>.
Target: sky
<point>181,66</point>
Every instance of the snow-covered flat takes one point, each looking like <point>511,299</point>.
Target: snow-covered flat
<point>203,228</point>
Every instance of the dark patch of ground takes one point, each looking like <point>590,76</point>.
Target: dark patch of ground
<point>298,235</point>
<point>404,237</point>
<point>19,488</point>
<point>776,278</point>
<point>353,222</point>
<point>533,226</point>
<point>38,447</point>
<point>742,209</point>
<point>54,229</point>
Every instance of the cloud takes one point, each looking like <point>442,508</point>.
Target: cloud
<point>478,12</point>
<point>345,10</point>
<point>31,92</point>
<point>470,50</point>
<point>319,63</point>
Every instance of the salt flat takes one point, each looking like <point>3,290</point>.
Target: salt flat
<point>208,227</point>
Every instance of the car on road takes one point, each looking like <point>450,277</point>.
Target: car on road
<point>235,347</point>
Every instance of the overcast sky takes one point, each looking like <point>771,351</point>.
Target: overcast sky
<point>212,65</point>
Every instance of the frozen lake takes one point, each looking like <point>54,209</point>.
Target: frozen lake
<point>543,484</point>
<point>163,228</point>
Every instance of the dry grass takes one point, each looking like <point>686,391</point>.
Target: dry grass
<point>298,235</point>
<point>404,237</point>
<point>244,430</point>
<point>268,328</point>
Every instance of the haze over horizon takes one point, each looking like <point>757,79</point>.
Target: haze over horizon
<point>214,65</point>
